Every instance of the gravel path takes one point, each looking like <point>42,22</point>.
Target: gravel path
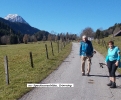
<point>91,87</point>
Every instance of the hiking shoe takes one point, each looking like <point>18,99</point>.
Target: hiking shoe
<point>83,74</point>
<point>109,84</point>
<point>87,74</point>
<point>113,85</point>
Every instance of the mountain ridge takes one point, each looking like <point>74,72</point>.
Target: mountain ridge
<point>15,18</point>
<point>21,27</point>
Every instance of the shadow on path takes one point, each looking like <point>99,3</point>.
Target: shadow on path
<point>99,75</point>
<point>103,75</point>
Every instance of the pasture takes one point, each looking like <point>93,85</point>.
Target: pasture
<point>20,70</point>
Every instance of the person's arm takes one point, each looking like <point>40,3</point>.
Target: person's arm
<point>118,58</point>
<point>118,52</point>
<point>106,58</point>
<point>80,48</point>
<point>91,47</point>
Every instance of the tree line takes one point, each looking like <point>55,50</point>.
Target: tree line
<point>99,33</point>
<point>9,36</point>
<point>39,36</point>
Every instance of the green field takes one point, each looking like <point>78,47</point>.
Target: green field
<point>20,70</point>
<point>102,49</point>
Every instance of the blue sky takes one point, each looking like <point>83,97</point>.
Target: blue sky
<point>65,15</point>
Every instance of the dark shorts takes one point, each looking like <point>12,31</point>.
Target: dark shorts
<point>112,68</point>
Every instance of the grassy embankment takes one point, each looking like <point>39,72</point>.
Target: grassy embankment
<point>20,70</point>
<point>102,49</point>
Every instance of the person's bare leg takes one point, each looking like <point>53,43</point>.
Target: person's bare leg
<point>89,65</point>
<point>110,83</point>
<point>113,79</point>
<point>113,83</point>
<point>83,59</point>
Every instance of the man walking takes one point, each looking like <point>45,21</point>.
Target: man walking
<point>86,52</point>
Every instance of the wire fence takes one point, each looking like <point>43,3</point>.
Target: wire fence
<point>17,60</point>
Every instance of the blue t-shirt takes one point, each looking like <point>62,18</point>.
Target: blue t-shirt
<point>113,54</point>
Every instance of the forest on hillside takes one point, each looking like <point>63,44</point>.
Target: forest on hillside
<point>9,36</point>
<point>99,34</point>
<point>110,31</point>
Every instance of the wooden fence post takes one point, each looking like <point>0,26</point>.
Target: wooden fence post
<point>58,45</point>
<point>31,60</point>
<point>64,44</point>
<point>102,42</point>
<point>105,45</point>
<point>52,48</point>
<point>61,44</point>
<point>6,69</point>
<point>46,51</point>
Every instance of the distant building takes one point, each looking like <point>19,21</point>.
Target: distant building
<point>118,33</point>
<point>90,38</point>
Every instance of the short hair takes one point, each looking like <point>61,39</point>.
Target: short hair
<point>111,42</point>
<point>84,36</point>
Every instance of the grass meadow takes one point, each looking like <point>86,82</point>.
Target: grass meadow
<point>20,70</point>
<point>102,48</point>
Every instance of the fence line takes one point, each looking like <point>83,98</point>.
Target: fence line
<point>30,58</point>
<point>52,48</point>
<point>46,51</point>
<point>103,43</point>
<point>6,69</point>
<point>58,45</point>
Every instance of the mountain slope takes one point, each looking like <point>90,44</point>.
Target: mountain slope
<point>15,18</point>
<point>21,27</point>
<point>5,30</point>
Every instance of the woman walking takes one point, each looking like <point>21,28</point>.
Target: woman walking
<point>112,60</point>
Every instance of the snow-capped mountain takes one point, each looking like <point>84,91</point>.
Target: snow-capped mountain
<point>15,18</point>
